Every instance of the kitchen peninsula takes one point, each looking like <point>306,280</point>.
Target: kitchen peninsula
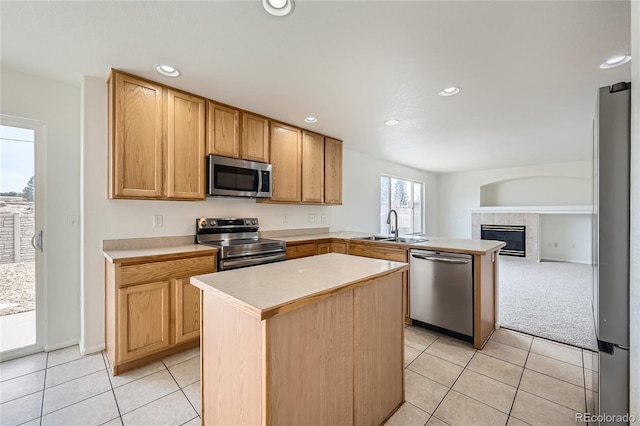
<point>316,340</point>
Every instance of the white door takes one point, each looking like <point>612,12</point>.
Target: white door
<point>23,236</point>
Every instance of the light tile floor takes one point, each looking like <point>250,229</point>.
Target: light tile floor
<point>515,380</point>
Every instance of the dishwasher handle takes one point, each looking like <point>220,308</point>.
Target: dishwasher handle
<point>442,259</point>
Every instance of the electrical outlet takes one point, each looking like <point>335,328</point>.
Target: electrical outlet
<point>555,245</point>
<point>285,218</point>
<point>157,221</point>
<point>311,218</point>
<point>573,245</point>
<point>323,217</point>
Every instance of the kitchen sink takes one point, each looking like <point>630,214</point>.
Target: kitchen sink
<point>375,238</point>
<point>390,239</point>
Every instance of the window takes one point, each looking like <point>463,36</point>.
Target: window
<point>405,197</point>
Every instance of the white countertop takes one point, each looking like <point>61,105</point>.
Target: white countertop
<point>262,290</point>
<point>453,245</point>
<point>116,256</point>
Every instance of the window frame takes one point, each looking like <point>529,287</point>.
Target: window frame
<point>412,192</point>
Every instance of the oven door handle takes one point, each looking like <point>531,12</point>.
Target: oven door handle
<point>237,263</point>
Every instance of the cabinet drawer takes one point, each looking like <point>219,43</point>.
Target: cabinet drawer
<point>301,250</point>
<point>165,270</point>
<point>386,252</point>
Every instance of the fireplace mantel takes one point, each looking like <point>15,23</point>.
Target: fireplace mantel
<point>536,209</point>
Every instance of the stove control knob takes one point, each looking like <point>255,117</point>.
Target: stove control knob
<point>254,222</point>
<point>247,222</point>
<point>212,222</point>
<point>203,224</point>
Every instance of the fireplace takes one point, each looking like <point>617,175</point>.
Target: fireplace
<point>513,235</point>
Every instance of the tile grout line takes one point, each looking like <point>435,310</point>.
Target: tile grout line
<point>524,367</point>
<point>44,388</point>
<point>113,392</point>
<point>181,389</point>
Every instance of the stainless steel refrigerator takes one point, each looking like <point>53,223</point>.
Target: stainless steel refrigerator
<point>612,144</point>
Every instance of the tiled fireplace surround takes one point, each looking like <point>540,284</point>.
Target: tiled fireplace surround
<point>530,220</point>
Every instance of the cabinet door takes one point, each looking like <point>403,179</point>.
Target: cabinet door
<point>300,250</point>
<point>323,248</point>
<point>332,171</point>
<point>312,167</point>
<point>143,319</point>
<point>339,248</point>
<point>223,135</point>
<point>135,139</point>
<point>185,146</point>
<point>378,344</point>
<point>255,138</point>
<point>187,310</point>
<point>286,160</point>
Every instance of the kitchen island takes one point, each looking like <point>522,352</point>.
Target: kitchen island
<point>317,340</point>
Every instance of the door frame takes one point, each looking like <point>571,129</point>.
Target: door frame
<point>40,170</point>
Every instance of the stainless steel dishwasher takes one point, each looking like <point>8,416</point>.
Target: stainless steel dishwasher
<point>441,289</point>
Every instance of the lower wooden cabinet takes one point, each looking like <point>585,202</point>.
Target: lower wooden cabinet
<point>295,251</point>
<point>387,252</point>
<point>323,248</point>
<point>337,247</point>
<point>151,308</point>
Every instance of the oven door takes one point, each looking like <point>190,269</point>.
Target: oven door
<point>241,262</point>
<point>238,178</point>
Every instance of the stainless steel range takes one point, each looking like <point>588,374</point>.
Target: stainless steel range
<point>238,242</point>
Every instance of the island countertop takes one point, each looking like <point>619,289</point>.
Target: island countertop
<point>266,290</point>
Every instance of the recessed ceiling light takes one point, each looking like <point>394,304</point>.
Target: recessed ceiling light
<point>278,7</point>
<point>449,91</point>
<point>310,119</point>
<point>615,61</point>
<point>168,70</point>
<point>391,122</point>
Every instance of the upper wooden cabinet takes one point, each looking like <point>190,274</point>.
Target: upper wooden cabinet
<point>312,167</point>
<point>185,146</point>
<point>332,171</point>
<point>156,141</point>
<point>135,138</point>
<point>255,138</point>
<point>286,158</point>
<point>223,135</point>
<point>227,138</point>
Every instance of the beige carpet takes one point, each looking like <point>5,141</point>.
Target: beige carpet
<point>547,299</point>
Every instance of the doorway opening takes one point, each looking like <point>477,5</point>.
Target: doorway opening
<point>20,238</point>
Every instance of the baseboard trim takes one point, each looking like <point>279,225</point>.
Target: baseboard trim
<point>49,348</point>
<point>91,349</point>
<point>551,259</point>
<point>20,352</point>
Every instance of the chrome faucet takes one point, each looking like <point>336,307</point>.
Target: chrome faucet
<point>394,230</point>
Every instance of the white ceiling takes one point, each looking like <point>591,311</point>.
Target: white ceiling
<point>528,70</point>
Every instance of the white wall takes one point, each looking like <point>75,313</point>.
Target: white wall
<point>58,105</point>
<point>361,193</point>
<point>538,191</point>
<point>113,219</point>
<point>635,212</point>
<point>460,192</point>
<point>566,237</point>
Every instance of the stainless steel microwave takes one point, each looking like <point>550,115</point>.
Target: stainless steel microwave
<point>230,177</point>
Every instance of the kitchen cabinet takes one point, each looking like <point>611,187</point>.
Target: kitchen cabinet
<point>135,137</point>
<point>286,159</point>
<point>223,130</point>
<point>312,167</point>
<point>156,141</point>
<point>332,171</point>
<point>255,138</point>
<point>185,146</point>
<point>295,251</point>
<point>338,247</point>
<point>323,248</point>
<point>237,134</point>
<point>151,308</point>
